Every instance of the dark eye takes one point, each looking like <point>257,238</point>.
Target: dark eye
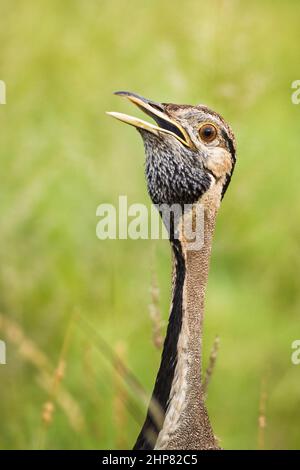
<point>208,132</point>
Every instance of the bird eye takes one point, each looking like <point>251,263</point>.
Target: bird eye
<point>208,132</point>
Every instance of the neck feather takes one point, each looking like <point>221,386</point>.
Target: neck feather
<point>177,392</point>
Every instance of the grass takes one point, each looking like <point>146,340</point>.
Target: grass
<point>61,157</point>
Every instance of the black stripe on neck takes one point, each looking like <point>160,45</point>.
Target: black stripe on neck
<point>231,148</point>
<point>168,363</point>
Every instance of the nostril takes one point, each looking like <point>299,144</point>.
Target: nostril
<point>169,127</point>
<point>157,106</point>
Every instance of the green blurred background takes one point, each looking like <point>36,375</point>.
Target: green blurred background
<point>62,291</point>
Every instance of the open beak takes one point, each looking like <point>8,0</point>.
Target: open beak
<point>164,124</point>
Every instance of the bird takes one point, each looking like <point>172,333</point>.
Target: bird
<point>190,157</point>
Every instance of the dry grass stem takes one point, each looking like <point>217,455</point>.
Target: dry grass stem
<point>48,378</point>
<point>262,422</point>
<point>211,365</point>
<point>155,314</point>
<point>120,396</point>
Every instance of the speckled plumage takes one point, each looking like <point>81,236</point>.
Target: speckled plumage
<point>182,168</point>
<point>179,174</point>
<point>174,175</point>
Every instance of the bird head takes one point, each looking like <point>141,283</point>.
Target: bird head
<point>189,149</point>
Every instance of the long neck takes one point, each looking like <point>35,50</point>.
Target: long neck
<point>183,422</point>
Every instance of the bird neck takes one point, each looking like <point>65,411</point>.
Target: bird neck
<point>178,389</point>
